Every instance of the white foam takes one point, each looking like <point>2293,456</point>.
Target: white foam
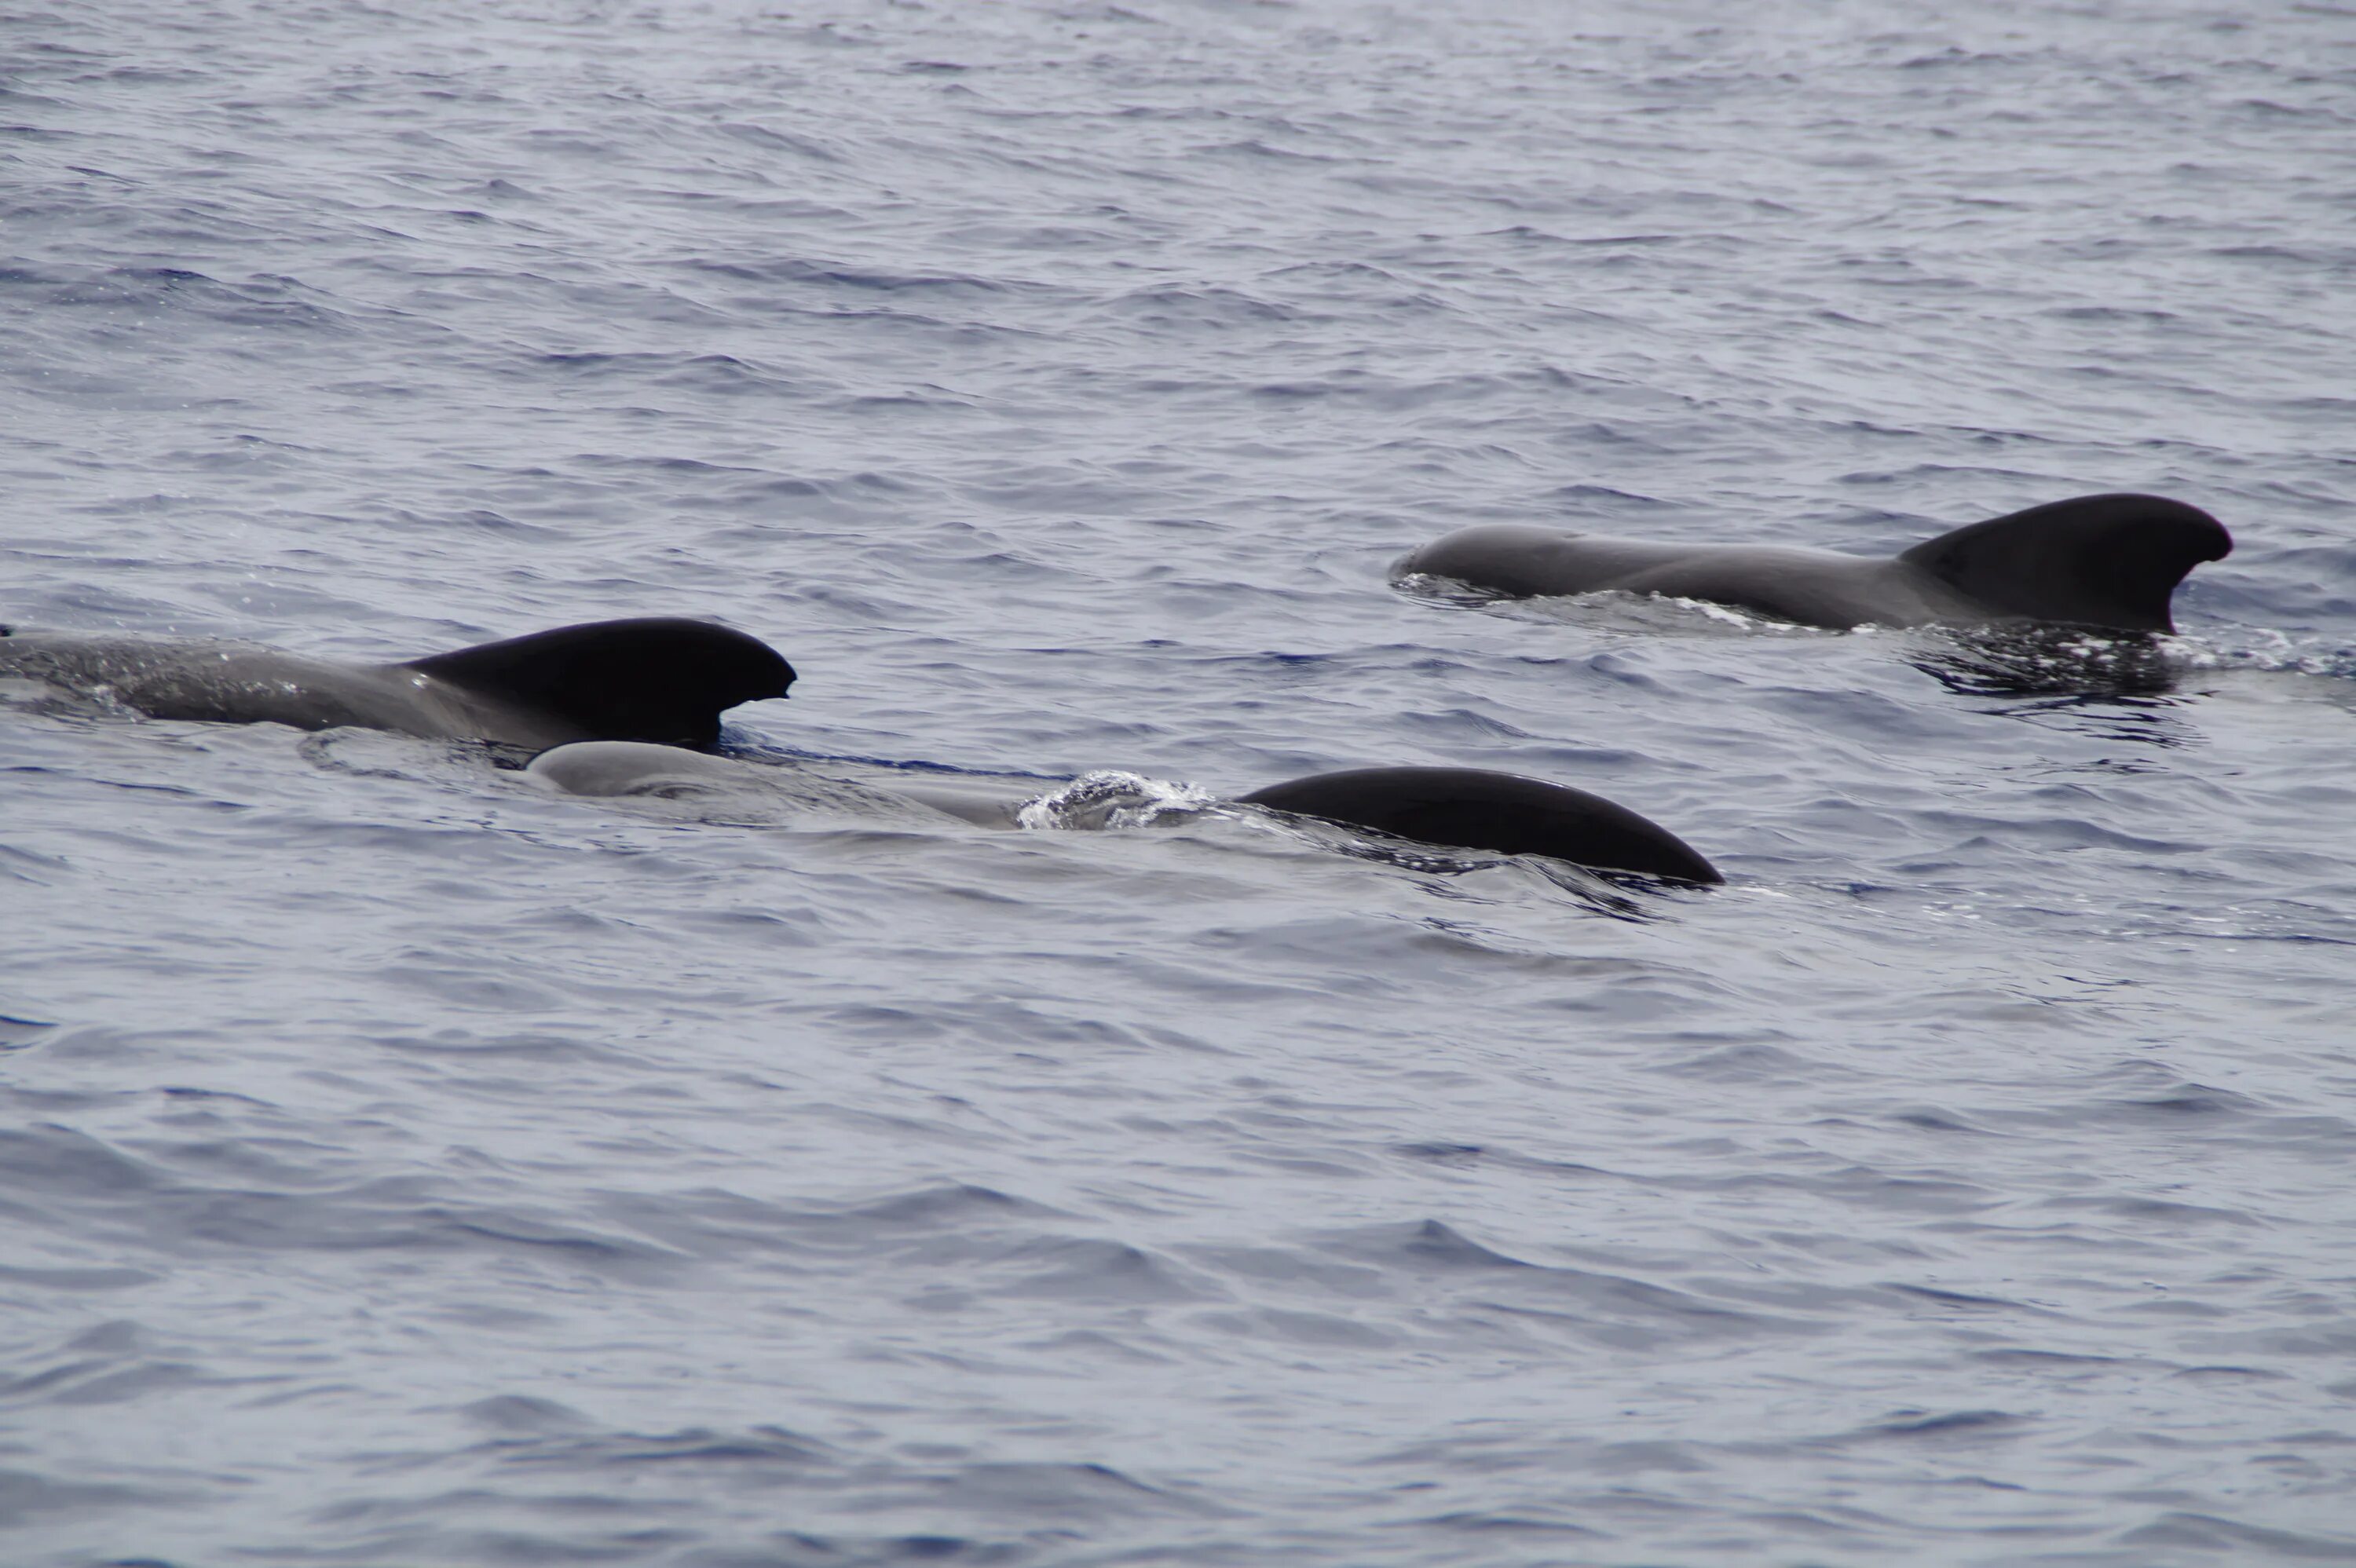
<point>1110,798</point>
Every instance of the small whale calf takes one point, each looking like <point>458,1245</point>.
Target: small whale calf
<point>2108,561</point>
<point>655,679</point>
<point>628,768</point>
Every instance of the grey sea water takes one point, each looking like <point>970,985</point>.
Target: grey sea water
<point>406,1164</point>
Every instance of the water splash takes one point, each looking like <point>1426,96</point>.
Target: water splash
<point>1111,798</point>
<point>2263,648</point>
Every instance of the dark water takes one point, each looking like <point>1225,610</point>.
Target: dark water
<point>406,1164</point>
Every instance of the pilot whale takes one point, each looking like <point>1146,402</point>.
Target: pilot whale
<point>2109,561</point>
<point>655,679</point>
<point>1463,808</point>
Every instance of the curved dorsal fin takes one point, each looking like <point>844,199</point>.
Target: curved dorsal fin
<point>2098,561</point>
<point>653,679</point>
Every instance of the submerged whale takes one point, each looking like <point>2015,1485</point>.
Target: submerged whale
<point>2110,561</point>
<point>1462,808</point>
<point>651,679</point>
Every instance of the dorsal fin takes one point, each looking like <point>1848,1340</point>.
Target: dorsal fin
<point>654,680</point>
<point>2098,561</point>
<point>1501,812</point>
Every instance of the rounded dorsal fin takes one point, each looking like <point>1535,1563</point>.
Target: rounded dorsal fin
<point>1473,809</point>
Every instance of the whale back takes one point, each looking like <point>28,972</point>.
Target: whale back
<point>658,678</point>
<point>1500,812</point>
<point>2097,560</point>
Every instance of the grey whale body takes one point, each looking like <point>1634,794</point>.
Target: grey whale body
<point>655,678</point>
<point>2107,561</point>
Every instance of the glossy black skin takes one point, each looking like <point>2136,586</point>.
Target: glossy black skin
<point>2108,561</point>
<point>650,680</point>
<point>1471,809</point>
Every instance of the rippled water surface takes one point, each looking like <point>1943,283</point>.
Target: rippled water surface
<point>406,1164</point>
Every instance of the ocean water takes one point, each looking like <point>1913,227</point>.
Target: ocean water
<point>405,1164</point>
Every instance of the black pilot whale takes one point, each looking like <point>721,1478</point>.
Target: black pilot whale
<point>2109,561</point>
<point>1464,808</point>
<point>656,679</point>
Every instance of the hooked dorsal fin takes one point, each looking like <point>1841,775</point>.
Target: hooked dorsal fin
<point>653,679</point>
<point>2098,561</point>
<point>1473,809</point>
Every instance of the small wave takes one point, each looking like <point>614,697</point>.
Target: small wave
<point>2264,649</point>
